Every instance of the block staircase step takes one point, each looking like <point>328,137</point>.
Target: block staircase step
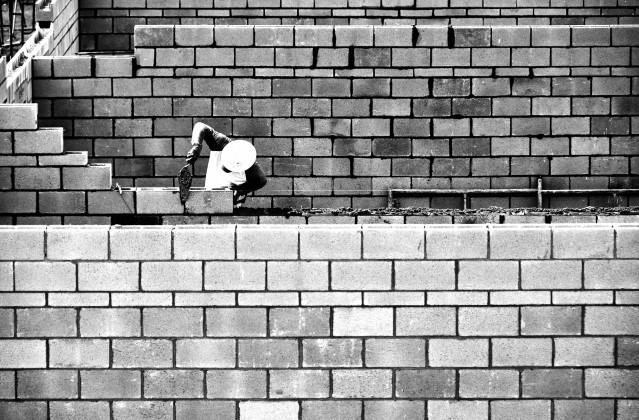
<point>18,116</point>
<point>65,159</point>
<point>39,142</point>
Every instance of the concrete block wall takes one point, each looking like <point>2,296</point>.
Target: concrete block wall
<point>108,24</point>
<point>339,114</point>
<point>64,17</point>
<point>38,177</point>
<point>429,322</point>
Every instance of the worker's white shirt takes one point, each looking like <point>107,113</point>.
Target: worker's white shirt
<point>217,178</point>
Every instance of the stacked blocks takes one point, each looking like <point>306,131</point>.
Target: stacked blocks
<point>437,322</point>
<point>339,114</point>
<point>109,24</point>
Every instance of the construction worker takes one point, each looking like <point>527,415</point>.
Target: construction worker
<point>232,163</point>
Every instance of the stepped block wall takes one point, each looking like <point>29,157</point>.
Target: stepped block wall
<point>481,322</point>
<point>339,114</point>
<point>40,183</point>
<point>108,24</point>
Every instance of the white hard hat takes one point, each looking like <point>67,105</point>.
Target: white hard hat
<point>238,155</point>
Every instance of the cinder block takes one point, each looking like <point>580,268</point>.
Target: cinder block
<point>263,353</point>
<point>113,66</point>
<point>551,274</point>
<point>611,274</point>
<point>19,116</point>
<point>173,384</point>
<point>204,243</point>
<point>65,159</point>
<point>256,242</point>
<point>173,322</point>
<point>425,383</point>
<point>229,322</point>
<point>395,353</point>
<point>21,354</point>
<point>96,322</point>
<point>22,299</point>
<point>236,383</point>
<point>171,276</point>
<point>569,409</point>
<point>499,321</point>
<point>44,140</point>
<point>367,383</point>
<point>72,66</point>
<point>396,242</point>
<point>584,351</point>
<point>538,409</point>
<point>89,243</point>
<point>255,410</point>
<point>98,410</point>
<point>458,409</point>
<point>40,384</point>
<point>363,322</point>
<point>293,322</point>
<point>627,241</point>
<point>274,36</point>
<point>36,410</point>
<point>130,409</point>
<point>557,320</point>
<point>332,353</point>
<point>621,320</point>
<point>108,276</point>
<point>321,242</point>
<point>519,243</point>
<point>234,36</point>
<point>21,243</point>
<point>236,275</point>
<point>72,299</point>
<point>158,201</point>
<point>93,177</point>
<point>111,384</point>
<point>480,383</point>
<point>458,353</point>
<point>154,36</point>
<point>139,243</point>
<point>550,36</point>
<point>521,352</point>
<point>511,36</point>
<point>583,242</point>
<point>45,322</point>
<point>432,36</point>
<point>552,383</point>
<point>193,35</point>
<point>74,353</point>
<point>457,298</point>
<point>313,36</point>
<point>36,178</point>
<point>354,36</point>
<point>521,298</point>
<point>44,276</point>
<point>378,410</point>
<point>426,321</point>
<point>490,275</point>
<point>299,384</point>
<point>209,202</point>
<point>297,275</point>
<point>393,36</point>
<point>142,353</point>
<point>456,242</point>
<point>360,275</point>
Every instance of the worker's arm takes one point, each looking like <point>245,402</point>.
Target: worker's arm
<point>204,133</point>
<point>255,179</point>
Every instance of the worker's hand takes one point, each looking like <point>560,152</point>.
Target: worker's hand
<point>193,154</point>
<point>238,198</point>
